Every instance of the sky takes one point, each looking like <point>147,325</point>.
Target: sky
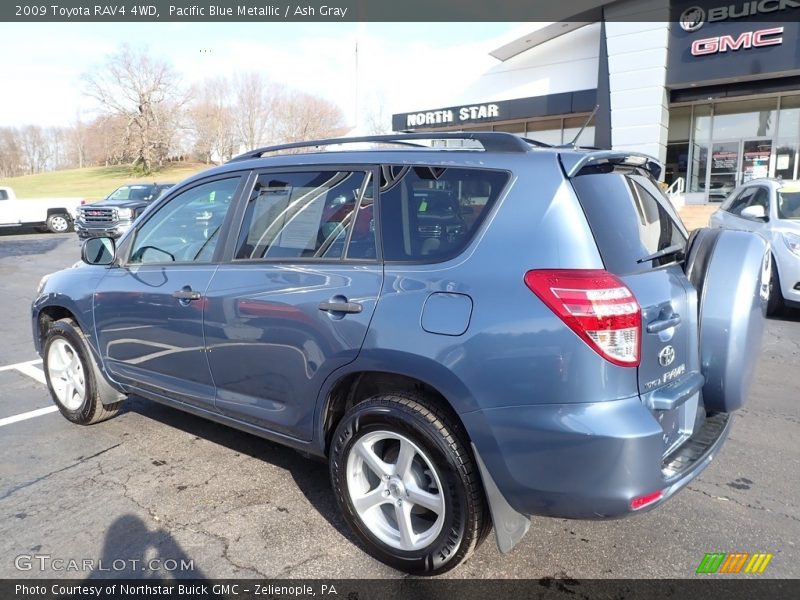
<point>401,66</point>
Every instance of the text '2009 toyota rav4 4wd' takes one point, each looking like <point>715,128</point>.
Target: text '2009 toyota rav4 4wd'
<point>470,335</point>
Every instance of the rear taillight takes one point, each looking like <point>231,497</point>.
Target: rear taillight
<point>597,306</point>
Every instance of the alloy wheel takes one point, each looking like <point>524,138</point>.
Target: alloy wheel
<point>66,374</point>
<point>395,490</point>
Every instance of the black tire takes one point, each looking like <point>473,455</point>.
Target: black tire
<point>59,223</point>
<point>465,519</point>
<point>775,302</point>
<point>92,409</point>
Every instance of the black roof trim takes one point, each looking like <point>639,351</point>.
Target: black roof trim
<point>492,141</point>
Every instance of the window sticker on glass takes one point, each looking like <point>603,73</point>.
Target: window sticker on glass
<point>300,215</point>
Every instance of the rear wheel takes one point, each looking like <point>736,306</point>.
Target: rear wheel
<point>59,223</point>
<point>72,376</point>
<point>407,485</point>
<point>775,301</point>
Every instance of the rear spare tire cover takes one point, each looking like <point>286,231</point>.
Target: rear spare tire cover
<point>727,268</point>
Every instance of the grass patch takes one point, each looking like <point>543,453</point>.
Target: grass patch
<point>93,183</point>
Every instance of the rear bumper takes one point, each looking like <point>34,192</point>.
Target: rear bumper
<point>587,461</point>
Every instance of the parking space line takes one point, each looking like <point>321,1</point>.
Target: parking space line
<point>32,372</point>
<point>18,365</point>
<point>28,415</point>
<point>30,369</point>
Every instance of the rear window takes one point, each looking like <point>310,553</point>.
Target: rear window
<point>430,214</point>
<point>628,221</point>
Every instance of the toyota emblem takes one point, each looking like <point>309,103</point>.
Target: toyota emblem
<point>667,356</point>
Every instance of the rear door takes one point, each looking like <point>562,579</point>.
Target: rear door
<point>295,302</point>
<point>641,240</point>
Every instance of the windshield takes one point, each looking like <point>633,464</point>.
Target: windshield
<point>789,203</point>
<point>131,192</point>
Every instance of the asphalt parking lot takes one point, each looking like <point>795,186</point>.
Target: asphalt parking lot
<point>155,483</point>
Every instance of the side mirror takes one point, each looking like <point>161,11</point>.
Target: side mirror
<point>754,213</point>
<point>98,251</point>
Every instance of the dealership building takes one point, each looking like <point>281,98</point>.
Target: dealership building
<point>712,90</point>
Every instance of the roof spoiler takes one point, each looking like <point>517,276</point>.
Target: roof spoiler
<point>492,141</point>
<point>574,164</point>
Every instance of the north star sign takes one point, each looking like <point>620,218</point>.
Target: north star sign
<point>449,115</point>
<point>772,36</point>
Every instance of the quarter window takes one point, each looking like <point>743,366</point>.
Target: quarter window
<point>308,215</point>
<point>187,228</point>
<point>431,213</point>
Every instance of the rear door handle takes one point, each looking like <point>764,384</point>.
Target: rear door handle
<point>186,294</point>
<point>662,324</point>
<point>341,307</point>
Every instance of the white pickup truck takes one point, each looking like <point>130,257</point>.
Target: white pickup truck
<point>56,215</point>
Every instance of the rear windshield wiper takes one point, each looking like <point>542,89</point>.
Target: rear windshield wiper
<point>675,249</point>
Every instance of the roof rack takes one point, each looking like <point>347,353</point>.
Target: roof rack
<point>492,141</point>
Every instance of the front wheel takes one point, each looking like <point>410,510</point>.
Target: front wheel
<point>775,300</point>
<point>59,223</point>
<point>407,484</point>
<point>72,377</point>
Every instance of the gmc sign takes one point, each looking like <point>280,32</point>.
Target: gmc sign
<point>772,36</point>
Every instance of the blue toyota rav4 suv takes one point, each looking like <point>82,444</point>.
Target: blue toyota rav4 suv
<point>470,334</point>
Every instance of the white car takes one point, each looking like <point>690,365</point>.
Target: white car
<point>56,215</point>
<point>771,208</point>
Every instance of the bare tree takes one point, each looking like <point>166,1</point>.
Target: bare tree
<point>212,119</point>
<point>56,141</point>
<point>256,100</point>
<point>76,138</point>
<point>10,153</point>
<point>35,148</point>
<point>106,141</point>
<point>145,91</point>
<point>305,116</point>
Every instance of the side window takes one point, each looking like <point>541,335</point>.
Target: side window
<point>3,195</point>
<point>741,201</point>
<point>760,198</point>
<point>310,214</point>
<point>186,228</point>
<point>432,213</point>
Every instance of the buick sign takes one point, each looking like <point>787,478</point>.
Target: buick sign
<point>692,18</point>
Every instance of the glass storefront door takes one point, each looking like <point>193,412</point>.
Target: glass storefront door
<point>734,162</point>
<point>755,159</point>
<point>723,170</point>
